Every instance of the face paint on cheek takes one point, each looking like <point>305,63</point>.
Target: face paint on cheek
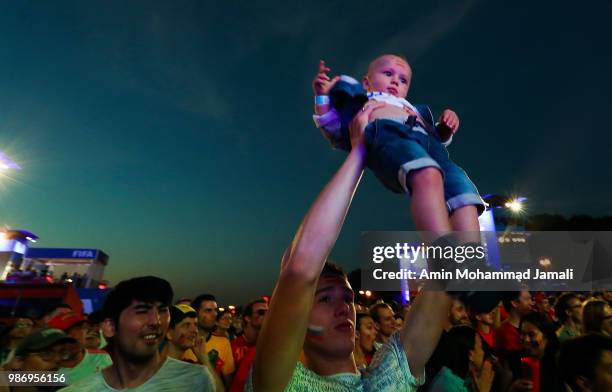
<point>315,332</point>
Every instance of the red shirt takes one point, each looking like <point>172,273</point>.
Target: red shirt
<point>240,348</point>
<point>242,374</point>
<point>507,339</point>
<point>488,338</point>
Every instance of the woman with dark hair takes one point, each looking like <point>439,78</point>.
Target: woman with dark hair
<point>459,364</point>
<point>597,317</point>
<point>224,321</point>
<point>540,347</point>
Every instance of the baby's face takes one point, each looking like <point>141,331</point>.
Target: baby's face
<point>389,74</point>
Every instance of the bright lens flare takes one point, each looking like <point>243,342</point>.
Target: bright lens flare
<point>514,206</point>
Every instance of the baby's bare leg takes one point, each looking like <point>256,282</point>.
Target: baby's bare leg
<point>465,220</point>
<point>427,202</point>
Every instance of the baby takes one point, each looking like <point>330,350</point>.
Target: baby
<point>406,150</point>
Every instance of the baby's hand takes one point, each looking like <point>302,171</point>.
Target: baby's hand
<point>322,83</point>
<point>450,120</point>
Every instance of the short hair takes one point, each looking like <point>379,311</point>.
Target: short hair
<point>592,315</point>
<point>332,269</point>
<point>508,298</point>
<point>400,56</point>
<point>248,308</point>
<point>197,302</point>
<point>562,305</point>
<point>374,310</point>
<point>579,356</point>
<point>144,288</point>
<point>359,319</point>
<point>220,313</point>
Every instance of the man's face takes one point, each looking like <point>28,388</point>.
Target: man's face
<point>574,310</point>
<point>237,324</point>
<point>333,317</point>
<point>47,359</point>
<point>389,74</point>
<point>386,321</point>
<point>399,323</point>
<point>207,315</point>
<point>603,373</point>
<point>142,326</point>
<point>544,305</point>
<point>457,314</point>
<point>525,303</point>
<point>486,318</point>
<point>367,333</point>
<point>78,332</point>
<point>184,334</point>
<point>257,316</point>
<point>92,336</point>
<point>22,328</point>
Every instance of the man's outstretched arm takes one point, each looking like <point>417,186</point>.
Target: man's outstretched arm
<point>282,336</point>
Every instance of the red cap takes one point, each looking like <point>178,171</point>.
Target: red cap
<point>66,320</point>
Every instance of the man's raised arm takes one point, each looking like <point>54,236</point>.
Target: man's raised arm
<point>284,330</point>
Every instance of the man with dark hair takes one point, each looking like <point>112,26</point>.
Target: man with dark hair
<point>206,307</point>
<point>136,320</point>
<point>507,337</point>
<point>568,310</point>
<point>384,320</point>
<point>457,315</point>
<point>243,347</point>
<point>253,316</point>
<point>217,348</point>
<point>586,363</point>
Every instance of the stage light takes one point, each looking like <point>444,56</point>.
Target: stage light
<point>545,262</point>
<point>514,205</point>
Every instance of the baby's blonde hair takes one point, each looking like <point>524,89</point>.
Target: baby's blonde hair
<point>377,59</point>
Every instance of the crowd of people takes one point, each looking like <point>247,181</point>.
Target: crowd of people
<point>530,342</point>
<point>43,275</point>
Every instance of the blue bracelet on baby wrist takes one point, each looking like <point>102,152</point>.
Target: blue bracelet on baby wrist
<point>322,100</point>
